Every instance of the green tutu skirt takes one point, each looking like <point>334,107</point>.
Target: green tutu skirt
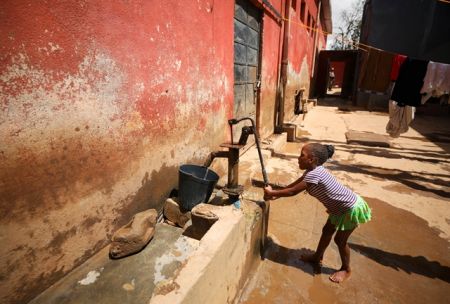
<point>359,214</point>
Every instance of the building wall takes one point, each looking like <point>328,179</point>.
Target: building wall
<point>301,51</point>
<point>271,36</point>
<point>100,102</point>
<point>300,63</point>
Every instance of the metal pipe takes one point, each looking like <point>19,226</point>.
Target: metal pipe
<point>213,155</point>
<point>258,144</point>
<point>316,37</point>
<point>233,168</point>
<point>284,64</point>
<point>265,205</point>
<point>272,9</point>
<point>279,63</point>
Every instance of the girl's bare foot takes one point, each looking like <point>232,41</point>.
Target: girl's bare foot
<point>311,258</point>
<point>340,276</point>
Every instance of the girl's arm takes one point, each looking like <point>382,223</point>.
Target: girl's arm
<point>296,182</point>
<point>296,187</point>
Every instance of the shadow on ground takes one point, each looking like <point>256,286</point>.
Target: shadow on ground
<point>291,257</point>
<point>405,177</point>
<point>418,264</point>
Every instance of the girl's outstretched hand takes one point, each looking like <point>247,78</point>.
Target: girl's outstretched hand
<point>268,193</point>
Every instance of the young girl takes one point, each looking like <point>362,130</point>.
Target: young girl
<point>346,209</point>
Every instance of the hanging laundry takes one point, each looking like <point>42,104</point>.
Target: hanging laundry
<point>409,82</point>
<point>437,80</point>
<point>375,71</point>
<point>399,118</point>
<point>397,62</point>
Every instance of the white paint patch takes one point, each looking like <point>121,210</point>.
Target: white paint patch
<point>209,7</point>
<point>129,286</point>
<point>54,47</point>
<point>90,278</point>
<point>75,100</point>
<point>139,87</point>
<point>177,64</point>
<point>183,248</point>
<point>299,79</point>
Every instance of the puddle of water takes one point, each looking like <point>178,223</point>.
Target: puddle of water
<point>396,258</point>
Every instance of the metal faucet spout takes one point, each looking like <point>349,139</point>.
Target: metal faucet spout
<point>215,154</point>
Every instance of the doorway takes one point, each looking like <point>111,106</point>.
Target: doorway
<point>247,62</point>
<point>335,77</point>
<point>344,65</point>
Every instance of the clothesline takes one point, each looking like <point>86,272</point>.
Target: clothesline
<point>358,45</point>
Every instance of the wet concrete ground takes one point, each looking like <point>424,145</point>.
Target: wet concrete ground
<point>402,255</point>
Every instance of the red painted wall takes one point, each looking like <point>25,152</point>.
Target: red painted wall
<point>300,59</point>
<point>269,69</point>
<point>301,52</point>
<point>100,102</point>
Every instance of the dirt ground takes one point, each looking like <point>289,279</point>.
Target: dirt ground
<point>402,255</point>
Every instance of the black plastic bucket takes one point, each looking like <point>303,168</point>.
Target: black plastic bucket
<point>195,184</point>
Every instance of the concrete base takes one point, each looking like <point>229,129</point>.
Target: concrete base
<point>173,268</point>
<point>290,130</point>
<point>217,270</point>
<point>367,139</point>
<point>128,280</point>
<point>274,142</point>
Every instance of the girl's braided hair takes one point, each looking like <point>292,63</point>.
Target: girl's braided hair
<point>321,152</point>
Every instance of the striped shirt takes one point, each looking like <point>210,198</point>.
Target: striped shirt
<point>333,195</point>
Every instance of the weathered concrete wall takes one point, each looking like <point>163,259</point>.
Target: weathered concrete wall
<point>269,70</point>
<point>216,272</point>
<point>100,102</point>
<point>300,54</point>
<point>299,64</point>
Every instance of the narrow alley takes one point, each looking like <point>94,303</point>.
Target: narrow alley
<point>402,255</point>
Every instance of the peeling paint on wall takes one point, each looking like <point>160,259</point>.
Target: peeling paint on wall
<point>99,105</point>
<point>295,81</point>
<point>43,106</point>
